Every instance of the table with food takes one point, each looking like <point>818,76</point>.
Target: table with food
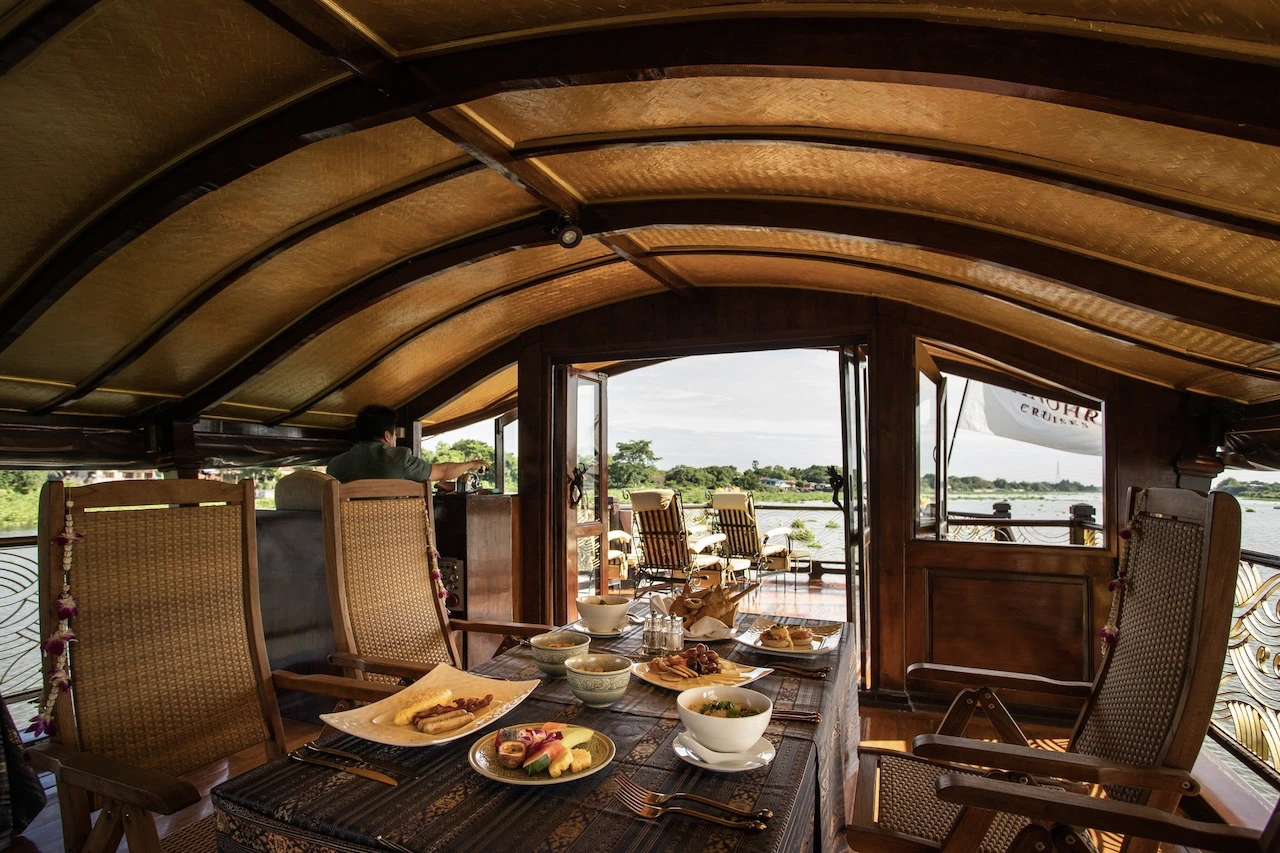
<point>570,743</point>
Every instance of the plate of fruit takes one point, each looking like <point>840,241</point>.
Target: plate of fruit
<point>541,753</point>
<point>697,666</point>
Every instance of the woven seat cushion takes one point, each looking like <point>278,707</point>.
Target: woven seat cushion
<point>651,499</point>
<point>908,803</point>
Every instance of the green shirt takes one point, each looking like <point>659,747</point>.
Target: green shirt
<point>373,460</point>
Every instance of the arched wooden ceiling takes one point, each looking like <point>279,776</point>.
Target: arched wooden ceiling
<point>280,210</point>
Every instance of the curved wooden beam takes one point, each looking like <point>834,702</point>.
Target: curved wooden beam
<point>422,328</point>
<point>521,233</point>
<point>1168,201</point>
<point>28,25</point>
<point>229,276</point>
<point>1009,298</point>
<point>337,110</point>
<point>463,378</point>
<point>1224,312</point>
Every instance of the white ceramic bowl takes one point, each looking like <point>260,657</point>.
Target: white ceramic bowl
<point>725,734</point>
<point>604,613</point>
<point>599,679</point>
<point>550,651</point>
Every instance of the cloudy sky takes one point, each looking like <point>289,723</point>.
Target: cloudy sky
<point>782,408</point>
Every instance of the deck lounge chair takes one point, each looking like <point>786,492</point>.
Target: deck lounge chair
<point>669,554</point>
<point>169,666</point>
<point>736,518</point>
<point>1144,715</point>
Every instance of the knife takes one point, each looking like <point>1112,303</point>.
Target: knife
<point>377,763</point>
<point>353,770</point>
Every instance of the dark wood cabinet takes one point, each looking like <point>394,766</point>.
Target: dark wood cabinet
<point>475,534</point>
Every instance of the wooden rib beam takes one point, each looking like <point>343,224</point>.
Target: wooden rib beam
<point>522,233</point>
<point>282,243</point>
<point>1166,200</point>
<point>1008,298</point>
<point>339,109</point>
<point>403,340</point>
<point>1166,297</point>
<point>459,126</point>
<point>459,381</point>
<point>26,26</point>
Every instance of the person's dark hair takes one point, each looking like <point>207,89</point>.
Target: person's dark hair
<point>373,421</point>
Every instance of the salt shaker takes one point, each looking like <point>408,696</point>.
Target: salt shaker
<point>675,636</point>
<point>650,631</point>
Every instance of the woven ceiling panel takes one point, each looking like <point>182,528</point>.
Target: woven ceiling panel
<point>989,277</point>
<point>328,358</point>
<point>130,87</point>
<point>286,287</point>
<point>119,301</point>
<point>457,342</point>
<point>1236,387</point>
<point>21,396</point>
<point>115,403</point>
<point>485,393</point>
<point>1178,247</point>
<point>1055,335</point>
<point>418,25</point>
<point>1186,162</point>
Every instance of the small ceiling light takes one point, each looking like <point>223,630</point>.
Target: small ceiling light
<point>568,233</point>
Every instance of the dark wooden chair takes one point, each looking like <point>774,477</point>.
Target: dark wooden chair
<point>389,623</point>
<point>1144,716</point>
<point>169,667</point>
<point>669,554</point>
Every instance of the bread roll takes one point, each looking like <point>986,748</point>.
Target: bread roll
<point>424,701</point>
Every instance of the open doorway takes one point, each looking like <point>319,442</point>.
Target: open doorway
<point>770,424</point>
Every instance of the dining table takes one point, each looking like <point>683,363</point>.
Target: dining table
<point>443,804</point>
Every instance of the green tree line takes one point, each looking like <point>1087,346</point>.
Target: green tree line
<point>999,484</point>
<point>635,465</point>
<point>1253,489</point>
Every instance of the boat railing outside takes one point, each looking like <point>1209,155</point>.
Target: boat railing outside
<point>20,675</point>
<point>1246,715</point>
<point>1081,527</point>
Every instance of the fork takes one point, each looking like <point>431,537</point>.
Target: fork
<point>643,809</point>
<point>653,798</point>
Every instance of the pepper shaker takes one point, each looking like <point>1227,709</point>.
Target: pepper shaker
<point>675,636</point>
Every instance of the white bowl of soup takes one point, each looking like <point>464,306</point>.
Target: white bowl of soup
<point>604,614</point>
<point>725,719</point>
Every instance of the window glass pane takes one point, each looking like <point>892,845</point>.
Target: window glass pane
<point>511,457</point>
<point>927,445</point>
<point>589,450</point>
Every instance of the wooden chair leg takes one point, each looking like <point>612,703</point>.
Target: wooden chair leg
<point>73,804</point>
<point>968,831</point>
<point>957,718</point>
<point>1036,839</point>
<point>107,831</point>
<point>140,830</point>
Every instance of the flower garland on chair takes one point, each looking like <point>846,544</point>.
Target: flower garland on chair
<point>59,640</point>
<point>1110,632</point>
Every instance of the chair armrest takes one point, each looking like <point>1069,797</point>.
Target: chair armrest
<point>778,531</point>
<point>510,629</point>
<point>697,546</point>
<point>154,791</point>
<point>1048,804</point>
<point>336,686</point>
<point>968,677</point>
<point>410,669</point>
<point>619,536</point>
<point>1042,762</point>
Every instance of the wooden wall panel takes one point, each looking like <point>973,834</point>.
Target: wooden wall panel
<point>1001,620</point>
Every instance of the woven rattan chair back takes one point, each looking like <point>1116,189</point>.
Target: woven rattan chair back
<point>664,537</point>
<point>169,669</point>
<point>741,529</point>
<point>1152,700</point>
<point>380,551</point>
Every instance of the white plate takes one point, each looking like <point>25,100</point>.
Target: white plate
<point>582,628</point>
<point>759,755</point>
<point>819,645</point>
<point>746,675</point>
<point>373,722</point>
<point>483,756</point>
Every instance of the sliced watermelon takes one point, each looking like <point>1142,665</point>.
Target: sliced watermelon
<point>542,757</point>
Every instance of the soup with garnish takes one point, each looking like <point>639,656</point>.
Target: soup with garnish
<point>726,708</point>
